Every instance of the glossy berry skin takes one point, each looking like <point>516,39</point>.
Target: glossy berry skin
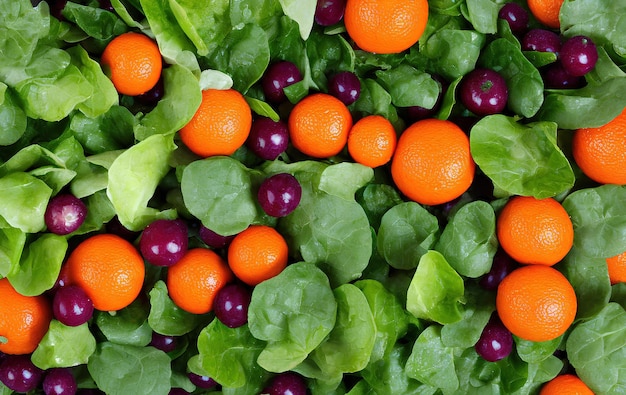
<point>329,12</point>
<point>203,382</point>
<point>231,305</point>
<point>502,265</point>
<point>59,381</point>
<point>484,92</point>
<point>516,16</point>
<point>106,5</point>
<point>71,305</point>
<point>541,40</point>
<point>164,242</point>
<point>279,194</point>
<point>345,86</point>
<point>268,139</point>
<point>64,214</point>
<point>578,55</point>
<point>213,239</point>
<point>277,77</point>
<point>495,342</point>
<point>19,374</point>
<point>164,343</point>
<point>556,77</point>
<point>288,383</point>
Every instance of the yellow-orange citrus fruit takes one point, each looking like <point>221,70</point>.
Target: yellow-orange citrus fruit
<point>565,384</point>
<point>109,269</point>
<point>133,62</point>
<point>535,231</point>
<point>372,141</point>
<point>546,11</point>
<point>319,125</point>
<point>257,254</point>
<point>385,26</point>
<point>600,152</point>
<point>617,268</point>
<point>536,303</point>
<point>220,125</point>
<point>432,163</point>
<point>194,281</point>
<point>24,320</point>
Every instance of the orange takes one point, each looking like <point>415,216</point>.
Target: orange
<point>109,269</point>
<point>385,26</point>
<point>432,163</point>
<point>133,62</point>
<point>257,254</point>
<point>601,152</point>
<point>319,125</point>
<point>220,125</point>
<point>24,320</point>
<point>536,303</point>
<point>535,231</point>
<point>617,268</point>
<point>546,11</point>
<point>565,384</point>
<point>372,141</point>
<point>196,278</point>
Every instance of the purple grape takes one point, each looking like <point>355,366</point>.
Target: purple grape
<point>199,381</point>
<point>516,16</point>
<point>59,381</point>
<point>279,194</point>
<point>115,226</point>
<point>231,305</point>
<point>71,305</point>
<point>89,391</point>
<point>164,343</point>
<point>502,265</point>
<point>329,12</point>
<point>345,86</point>
<point>64,214</point>
<point>19,374</point>
<point>287,383</point>
<point>268,139</point>
<point>56,8</point>
<point>484,92</point>
<point>213,239</point>
<point>556,77</point>
<point>152,96</point>
<point>541,40</point>
<point>178,391</point>
<point>495,342</point>
<point>277,77</point>
<point>106,5</point>
<point>579,55</point>
<point>164,241</point>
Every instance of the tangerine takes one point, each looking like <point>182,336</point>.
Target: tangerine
<point>372,141</point>
<point>546,11</point>
<point>617,268</point>
<point>565,384</point>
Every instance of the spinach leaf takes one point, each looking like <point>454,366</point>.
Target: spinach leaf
<point>24,201</point>
<point>375,100</point>
<point>302,12</point>
<point>128,326</point>
<point>110,131</point>
<point>482,14</point>
<point>96,22</point>
<point>409,86</point>
<point>536,352</point>
<point>64,346</point>
<point>12,241</point>
<point>165,317</point>
<point>376,199</point>
<point>13,120</point>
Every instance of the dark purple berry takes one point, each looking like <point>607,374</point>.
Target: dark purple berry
<point>106,5</point>
<point>164,343</point>
<point>213,239</point>
<point>279,194</point>
<point>59,381</point>
<point>231,305</point>
<point>178,391</point>
<point>152,97</point>
<point>501,266</point>
<point>64,214</point>
<point>556,77</point>
<point>288,383</point>
<point>18,373</point>
<point>199,381</point>
<point>56,8</point>
<point>115,226</point>
<point>541,40</point>
<point>277,77</point>
<point>579,55</point>
<point>329,12</point>
<point>496,341</point>
<point>484,92</point>
<point>164,242</point>
<point>71,305</point>
<point>516,16</point>
<point>345,86</point>
<point>268,139</point>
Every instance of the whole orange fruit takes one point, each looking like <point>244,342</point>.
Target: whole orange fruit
<point>24,320</point>
<point>319,125</point>
<point>565,384</point>
<point>617,268</point>
<point>133,62</point>
<point>109,269</point>
<point>536,303</point>
<point>220,125</point>
<point>385,26</point>
<point>600,152</point>
<point>535,231</point>
<point>546,11</point>
<point>257,254</point>
<point>372,141</point>
<point>196,278</point>
<point>432,163</point>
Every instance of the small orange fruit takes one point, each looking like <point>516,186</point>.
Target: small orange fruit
<point>109,269</point>
<point>372,141</point>
<point>432,163</point>
<point>546,11</point>
<point>319,125</point>
<point>535,231</point>
<point>600,152</point>
<point>24,320</point>
<point>133,62</point>
<point>536,303</point>
<point>257,254</point>
<point>617,268</point>
<point>565,384</point>
<point>220,125</point>
<point>196,278</point>
<point>385,26</point>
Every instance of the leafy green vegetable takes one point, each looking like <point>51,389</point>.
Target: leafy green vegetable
<point>24,201</point>
<point>301,12</point>
<point>127,326</point>
<point>409,86</point>
<point>482,14</point>
<point>64,346</point>
<point>431,362</point>
<point>165,317</point>
<point>12,117</point>
<point>12,241</point>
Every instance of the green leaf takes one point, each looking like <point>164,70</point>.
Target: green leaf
<point>127,326</point>
<point>12,117</point>
<point>64,346</point>
<point>302,12</point>
<point>24,200</point>
<point>96,22</point>
<point>483,15</point>
<point>344,179</point>
<point>409,86</point>
<point>535,352</point>
<point>12,241</point>
<point>110,131</point>
<point>165,317</point>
